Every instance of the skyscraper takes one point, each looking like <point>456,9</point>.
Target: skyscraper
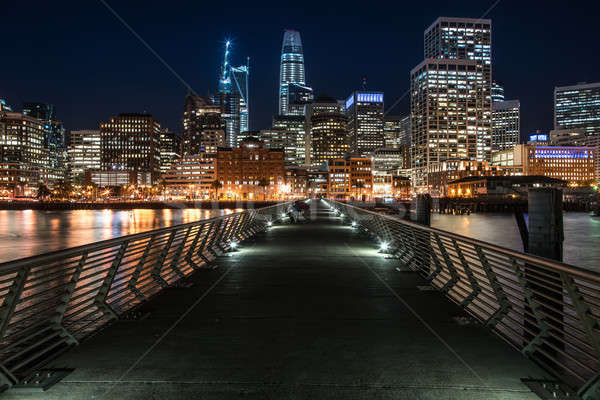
<point>578,107</point>
<point>203,126</point>
<point>84,152</point>
<point>131,142</point>
<point>365,121</point>
<point>295,124</point>
<point>445,119</point>
<point>291,69</point>
<point>506,122</point>
<point>328,130</point>
<point>467,39</point>
<point>55,138</point>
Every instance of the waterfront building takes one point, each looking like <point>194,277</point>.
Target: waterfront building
<point>84,152</point>
<point>350,178</point>
<point>291,68</point>
<point>364,110</point>
<point>466,39</point>
<point>506,124</point>
<point>574,164</point>
<point>170,149</point>
<point>203,126</point>
<point>191,177</point>
<point>578,107</point>
<point>251,171</point>
<point>497,92</point>
<point>501,185</point>
<point>439,174</point>
<point>296,125</point>
<point>22,154</point>
<point>567,137</point>
<point>450,114</point>
<point>328,131</point>
<point>283,140</point>
<point>131,142</point>
<point>115,179</point>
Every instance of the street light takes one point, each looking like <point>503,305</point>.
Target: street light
<point>383,247</point>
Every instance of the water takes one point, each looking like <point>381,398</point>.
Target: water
<point>29,232</point>
<point>26,233</point>
<point>582,233</point>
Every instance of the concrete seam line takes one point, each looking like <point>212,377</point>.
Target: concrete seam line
<point>417,316</point>
<point>165,333</point>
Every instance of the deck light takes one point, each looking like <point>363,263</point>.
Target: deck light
<point>384,246</point>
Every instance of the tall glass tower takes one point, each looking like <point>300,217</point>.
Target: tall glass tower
<point>292,68</point>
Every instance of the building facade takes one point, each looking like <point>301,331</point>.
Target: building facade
<point>131,142</point>
<point>506,124</point>
<point>328,131</point>
<point>84,153</point>
<point>203,126</point>
<point>191,177</point>
<point>281,139</point>
<point>468,39</point>
<point>291,68</point>
<point>296,125</point>
<point>170,149</point>
<point>578,107</point>
<point>447,117</point>
<point>497,92</point>
<point>364,110</point>
<point>350,178</point>
<point>251,171</point>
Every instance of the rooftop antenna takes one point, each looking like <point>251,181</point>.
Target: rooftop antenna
<point>364,83</point>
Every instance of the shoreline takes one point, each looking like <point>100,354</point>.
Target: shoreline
<point>126,205</point>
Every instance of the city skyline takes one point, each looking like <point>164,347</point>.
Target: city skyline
<point>146,85</point>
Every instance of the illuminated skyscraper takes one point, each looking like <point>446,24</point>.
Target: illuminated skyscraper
<point>203,126</point>
<point>292,67</point>
<point>327,125</point>
<point>467,39</point>
<point>506,121</point>
<point>365,121</point>
<point>497,92</point>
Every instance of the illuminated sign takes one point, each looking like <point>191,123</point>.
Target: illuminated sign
<point>562,153</point>
<point>538,138</point>
<point>364,98</point>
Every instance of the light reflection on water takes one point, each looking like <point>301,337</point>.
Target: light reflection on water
<point>582,233</point>
<point>29,232</point>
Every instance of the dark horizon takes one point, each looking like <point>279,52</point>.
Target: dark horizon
<point>83,60</point>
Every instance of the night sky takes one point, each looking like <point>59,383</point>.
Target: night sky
<point>80,57</point>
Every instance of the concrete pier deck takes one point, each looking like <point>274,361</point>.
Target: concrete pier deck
<point>302,311</point>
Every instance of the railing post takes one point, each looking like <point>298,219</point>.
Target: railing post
<point>177,256</point>
<point>66,298</point>
<point>453,274</point>
<point>501,297</point>
<point>161,259</point>
<point>475,289</point>
<point>100,299</point>
<point>190,252</point>
<point>11,299</point>
<point>132,284</point>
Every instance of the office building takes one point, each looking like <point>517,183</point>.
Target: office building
<point>296,124</point>
<point>251,171</point>
<point>497,92</point>
<point>447,120</point>
<point>440,174</point>
<point>296,182</point>
<point>298,96</point>
<point>328,131</point>
<point>191,177</point>
<point>22,153</point>
<point>364,110</point>
<point>170,149</point>
<point>4,106</point>
<point>203,126</point>
<point>131,142</point>
<point>578,107</point>
<point>387,159</point>
<point>396,131</point>
<point>506,124</point>
<point>291,69</point>
<point>350,178</point>
<point>465,39</point>
<point>84,153</point>
<point>281,139</point>
<point>318,183</point>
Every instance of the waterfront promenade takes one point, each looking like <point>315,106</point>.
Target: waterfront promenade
<point>299,311</point>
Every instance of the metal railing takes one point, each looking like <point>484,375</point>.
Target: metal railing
<point>546,309</point>
<point>52,301</point>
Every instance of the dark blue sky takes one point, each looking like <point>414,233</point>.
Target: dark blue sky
<point>78,56</point>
